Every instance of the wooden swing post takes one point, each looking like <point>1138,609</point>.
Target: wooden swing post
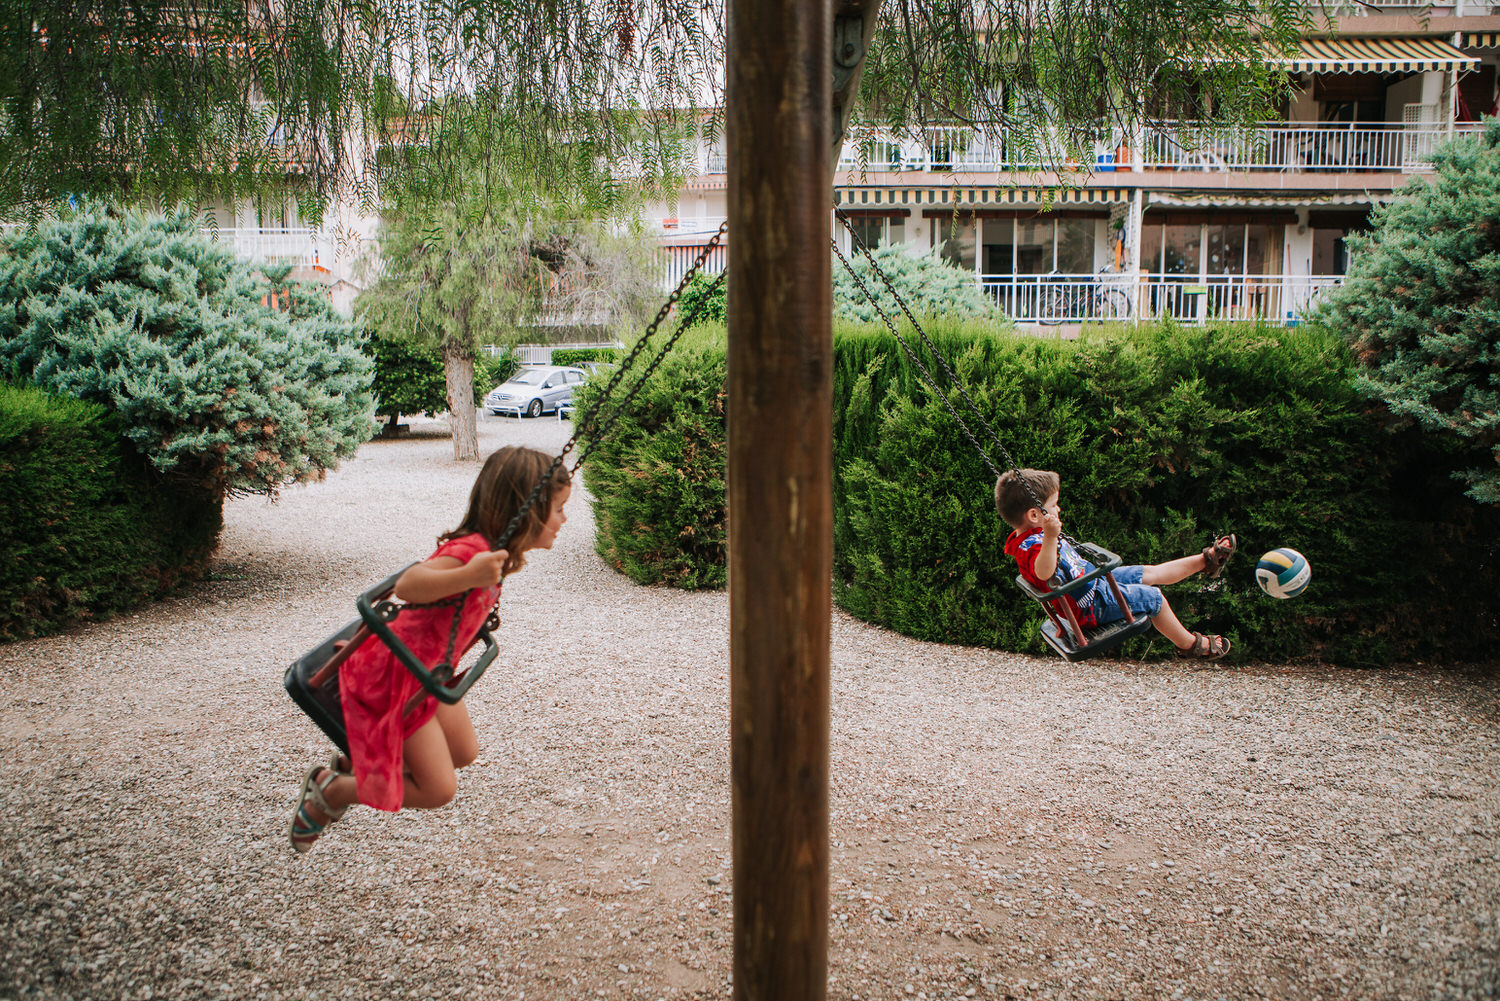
<point>778,126</point>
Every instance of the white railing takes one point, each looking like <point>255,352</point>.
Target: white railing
<point>1081,298</point>
<point>301,246</point>
<point>677,260</point>
<point>704,225</point>
<point>959,149</point>
<point>1351,8</point>
<point>1314,147</point>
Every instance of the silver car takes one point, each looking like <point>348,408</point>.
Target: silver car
<point>535,390</point>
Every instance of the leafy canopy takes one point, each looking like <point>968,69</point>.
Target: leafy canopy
<point>209,99</point>
<point>1421,306</point>
<point>219,374</point>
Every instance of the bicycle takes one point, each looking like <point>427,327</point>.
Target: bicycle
<point>1079,301</point>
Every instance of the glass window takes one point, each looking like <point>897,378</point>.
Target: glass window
<point>999,246</point>
<point>1329,256</point>
<point>869,229</point>
<point>956,240</point>
<point>1075,246</point>
<point>1226,249</point>
<point>1151,247</point>
<point>1034,246</point>
<point>1261,243</point>
<point>1181,248</point>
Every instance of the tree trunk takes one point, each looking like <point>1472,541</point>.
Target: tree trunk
<point>458,372</point>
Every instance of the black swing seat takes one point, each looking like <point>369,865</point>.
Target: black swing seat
<point>1059,629</point>
<point>313,679</point>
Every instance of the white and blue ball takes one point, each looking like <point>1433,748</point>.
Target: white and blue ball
<point>1283,573</point>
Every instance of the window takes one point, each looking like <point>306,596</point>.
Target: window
<point>1039,245</point>
<point>1233,248</point>
<point>869,229</point>
<point>956,240</point>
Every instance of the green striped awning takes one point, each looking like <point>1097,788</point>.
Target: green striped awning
<point>1373,55</point>
<point>975,197</point>
<point>1481,40</point>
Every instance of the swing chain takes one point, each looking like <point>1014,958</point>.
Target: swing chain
<point>938,355</point>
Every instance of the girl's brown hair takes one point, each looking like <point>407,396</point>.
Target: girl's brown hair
<point>507,479</point>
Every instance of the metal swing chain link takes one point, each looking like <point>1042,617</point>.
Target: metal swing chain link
<point>586,422</point>
<point>941,360</point>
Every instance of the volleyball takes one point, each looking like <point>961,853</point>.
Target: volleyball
<point>1283,573</point>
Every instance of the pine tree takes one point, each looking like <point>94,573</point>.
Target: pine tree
<point>221,374</point>
<point>1421,305</point>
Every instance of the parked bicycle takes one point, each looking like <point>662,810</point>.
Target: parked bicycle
<point>1088,299</point>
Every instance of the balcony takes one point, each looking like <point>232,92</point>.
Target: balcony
<point>297,246</point>
<point>1080,298</point>
<point>1167,145</point>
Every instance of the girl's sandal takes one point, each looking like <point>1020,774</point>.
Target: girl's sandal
<point>1216,555</point>
<point>1204,648</point>
<point>303,830</point>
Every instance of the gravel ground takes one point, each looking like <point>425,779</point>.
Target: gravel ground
<point>1003,826</point>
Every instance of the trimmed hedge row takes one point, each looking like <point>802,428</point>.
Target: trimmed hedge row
<point>1163,436</point>
<point>574,356</point>
<point>89,529</point>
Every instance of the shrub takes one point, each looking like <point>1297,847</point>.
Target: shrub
<point>89,528</point>
<point>408,379</point>
<point>1163,437</point>
<point>929,285</point>
<point>658,478</point>
<point>704,301</point>
<point>1421,306</point>
<point>213,380</point>
<point>575,356</point>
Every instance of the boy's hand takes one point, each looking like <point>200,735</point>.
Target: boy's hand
<point>487,568</point>
<point>1051,523</point>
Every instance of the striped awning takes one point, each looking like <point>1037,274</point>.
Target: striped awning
<point>1481,40</point>
<point>975,197</point>
<point>1167,199</point>
<point>1373,55</point>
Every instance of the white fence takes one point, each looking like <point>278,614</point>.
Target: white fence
<point>1079,298</point>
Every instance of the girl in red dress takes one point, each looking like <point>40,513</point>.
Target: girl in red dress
<point>410,759</point>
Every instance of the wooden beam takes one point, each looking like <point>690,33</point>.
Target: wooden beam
<point>778,127</point>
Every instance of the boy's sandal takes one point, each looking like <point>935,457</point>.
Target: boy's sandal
<point>303,830</point>
<point>1216,555</point>
<point>340,763</point>
<point>1204,648</point>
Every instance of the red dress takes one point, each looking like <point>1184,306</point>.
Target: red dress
<point>374,687</point>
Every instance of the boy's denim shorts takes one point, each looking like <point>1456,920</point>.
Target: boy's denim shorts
<point>1143,599</point>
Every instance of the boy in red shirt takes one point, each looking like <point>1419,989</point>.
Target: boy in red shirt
<point>1047,560</point>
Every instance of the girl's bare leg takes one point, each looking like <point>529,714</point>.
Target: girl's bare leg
<point>1173,571</point>
<point>463,745</point>
<point>440,745</point>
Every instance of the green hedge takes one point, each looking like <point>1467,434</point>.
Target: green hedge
<point>89,530</point>
<point>574,356</point>
<point>1163,436</point>
<point>658,479</point>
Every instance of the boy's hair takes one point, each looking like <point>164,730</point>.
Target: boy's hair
<point>1013,500</point>
<point>507,479</point>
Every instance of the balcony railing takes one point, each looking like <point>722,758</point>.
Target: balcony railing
<point>1064,298</point>
<point>1315,147</point>
<point>298,246</point>
<point>1167,145</point>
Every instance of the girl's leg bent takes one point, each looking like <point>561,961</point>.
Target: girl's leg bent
<point>463,744</point>
<point>430,778</point>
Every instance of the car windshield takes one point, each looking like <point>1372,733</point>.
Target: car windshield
<point>530,377</point>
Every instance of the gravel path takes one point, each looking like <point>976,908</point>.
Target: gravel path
<point>1003,826</point>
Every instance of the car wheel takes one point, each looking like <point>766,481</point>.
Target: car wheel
<point>534,408</point>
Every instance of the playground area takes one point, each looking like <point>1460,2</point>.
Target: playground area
<point>1002,826</point>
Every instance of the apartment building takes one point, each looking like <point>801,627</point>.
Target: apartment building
<point>1174,219</point>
